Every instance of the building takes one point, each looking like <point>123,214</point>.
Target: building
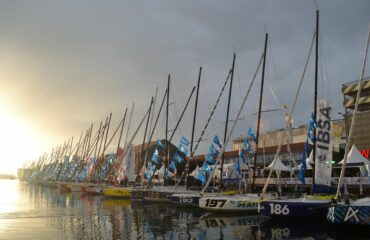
<point>296,136</point>
<point>147,152</point>
<point>361,134</point>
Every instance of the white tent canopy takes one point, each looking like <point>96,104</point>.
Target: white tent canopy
<point>309,163</point>
<point>160,172</point>
<point>279,166</point>
<point>356,159</point>
<point>354,156</point>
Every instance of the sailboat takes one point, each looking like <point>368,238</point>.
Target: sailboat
<point>191,197</point>
<point>358,212</point>
<point>168,168</point>
<point>309,206</point>
<point>127,160</point>
<point>232,203</point>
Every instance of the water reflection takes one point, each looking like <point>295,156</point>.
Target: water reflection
<point>37,212</point>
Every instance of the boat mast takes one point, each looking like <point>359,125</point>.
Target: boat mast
<point>192,131</point>
<point>167,163</point>
<point>227,113</point>
<point>315,98</point>
<point>259,111</point>
<point>120,135</point>
<point>129,123</point>
<point>146,129</point>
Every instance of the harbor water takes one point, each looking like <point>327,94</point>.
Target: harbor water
<point>29,211</point>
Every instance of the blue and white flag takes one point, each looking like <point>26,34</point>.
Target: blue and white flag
<point>184,141</point>
<point>237,167</point>
<point>155,156</point>
<point>178,158</point>
<point>213,151</point>
<point>173,167</point>
<point>182,149</point>
<point>303,168</point>
<point>251,134</point>
<point>206,168</point>
<point>159,144</point>
<point>242,156</point>
<point>247,146</point>
<point>313,120</point>
<point>201,178</point>
<point>312,128</point>
<point>217,142</point>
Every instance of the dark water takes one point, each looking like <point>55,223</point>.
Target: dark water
<point>35,212</point>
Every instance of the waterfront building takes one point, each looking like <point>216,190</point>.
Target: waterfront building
<point>361,134</point>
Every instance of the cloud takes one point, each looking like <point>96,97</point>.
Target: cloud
<point>68,64</point>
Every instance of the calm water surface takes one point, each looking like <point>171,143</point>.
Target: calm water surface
<point>34,212</point>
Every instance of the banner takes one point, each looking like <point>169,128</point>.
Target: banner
<point>324,144</point>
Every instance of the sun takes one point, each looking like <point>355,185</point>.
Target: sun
<point>18,143</point>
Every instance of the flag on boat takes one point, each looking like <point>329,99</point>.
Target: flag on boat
<point>155,156</point>
<point>303,167</point>
<point>217,142</point>
<point>201,177</point>
<point>324,144</point>
<point>178,158</point>
<point>247,146</point>
<point>242,156</point>
<point>213,151</point>
<point>312,128</point>
<point>251,134</point>
<point>206,168</point>
<point>184,141</point>
<point>183,146</point>
<point>237,167</point>
<point>159,144</point>
<point>173,167</point>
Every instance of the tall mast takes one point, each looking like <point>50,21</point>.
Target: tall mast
<point>227,112</point>
<point>120,135</point>
<point>167,145</point>
<point>146,129</point>
<point>129,123</point>
<point>315,99</point>
<point>192,131</point>
<point>259,109</point>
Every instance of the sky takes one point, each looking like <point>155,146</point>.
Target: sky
<point>65,65</point>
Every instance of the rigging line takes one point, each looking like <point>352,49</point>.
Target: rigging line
<point>175,108</point>
<point>325,73</point>
<point>274,68</point>
<point>213,111</point>
<point>240,88</point>
<point>208,102</point>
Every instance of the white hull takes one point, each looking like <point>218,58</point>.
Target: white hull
<point>230,203</point>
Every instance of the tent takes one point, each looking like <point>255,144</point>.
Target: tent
<point>355,159</point>
<point>160,172</point>
<point>279,166</point>
<point>309,163</point>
